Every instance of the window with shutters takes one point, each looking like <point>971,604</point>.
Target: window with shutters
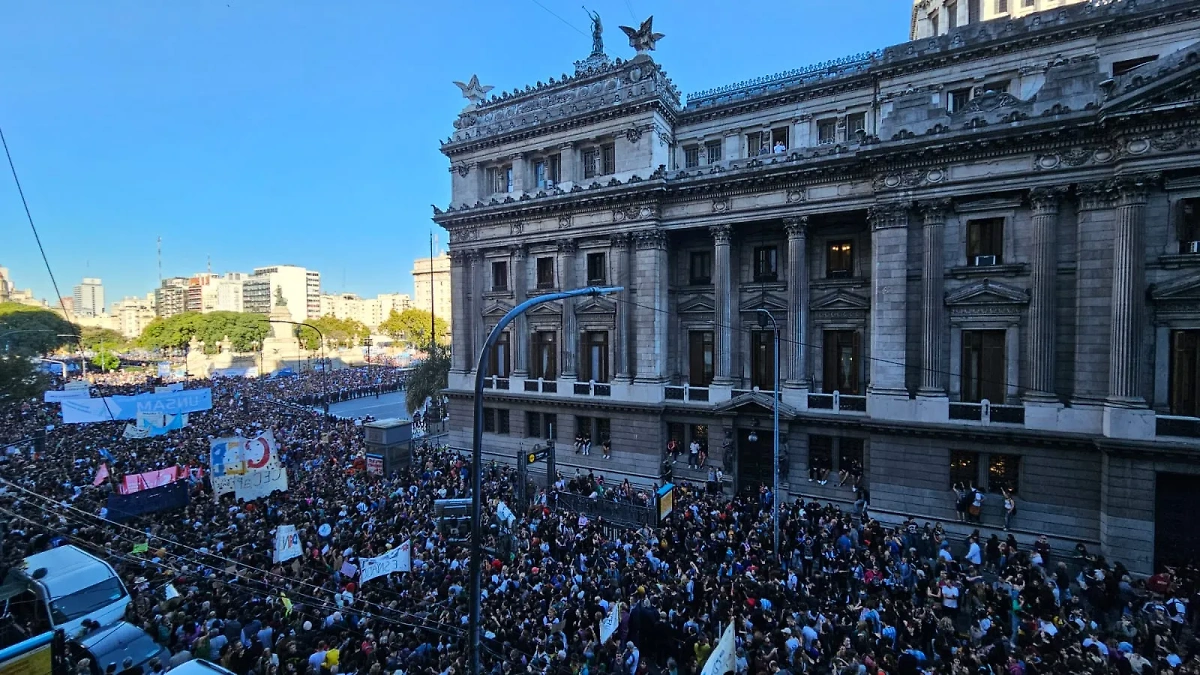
<point>608,159</point>
<point>712,151</point>
<point>842,353</point>
<point>589,162</point>
<point>827,131</point>
<point>691,157</point>
<point>983,366</point>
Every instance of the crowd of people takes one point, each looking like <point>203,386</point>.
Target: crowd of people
<point>845,594</point>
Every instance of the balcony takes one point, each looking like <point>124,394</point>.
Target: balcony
<point>837,402</point>
<point>495,382</point>
<point>1175,425</point>
<point>986,413</point>
<point>541,386</point>
<point>686,393</point>
<point>755,390</point>
<point>592,388</point>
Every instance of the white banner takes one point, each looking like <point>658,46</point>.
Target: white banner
<point>60,396</point>
<point>164,369</point>
<point>84,410</point>
<point>248,467</point>
<point>178,386</point>
<point>287,543</point>
<point>398,559</point>
<point>260,483</point>
<point>133,432</point>
<point>506,516</point>
<point>77,384</point>
<point>723,659</point>
<point>610,623</point>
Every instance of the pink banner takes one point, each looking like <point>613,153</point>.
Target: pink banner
<point>151,479</point>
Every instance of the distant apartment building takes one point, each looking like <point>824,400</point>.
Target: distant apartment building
<point>89,298</point>
<point>208,292</point>
<point>10,293</point>
<point>134,314</point>
<point>432,276</point>
<point>368,311</point>
<point>389,302</point>
<point>299,287</point>
<point>170,298</point>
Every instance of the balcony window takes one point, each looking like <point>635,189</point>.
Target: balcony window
<point>983,366</point>
<point>553,169</point>
<point>500,275</point>
<point>952,15</point>
<point>594,356</point>
<point>985,242</point>
<point>590,156</point>
<point>779,140</point>
<point>597,268</point>
<point>957,99</point>
<point>757,143</point>
<point>762,360</point>
<point>691,157</point>
<point>964,468</point>
<point>608,159</point>
<point>855,123</point>
<point>766,263</point>
<point>839,260</point>
<point>545,272</point>
<point>712,150</point>
<point>1184,383</point>
<point>997,87</point>
<point>1004,472</point>
<point>700,268</point>
<point>1002,6</point>
<point>842,354</point>
<point>826,131</point>
<point>499,362</point>
<point>500,179</point>
<point>700,358</point>
<point>1028,3</point>
<point>933,22</point>
<point>973,11</point>
<point>1188,213</point>
<point>543,355</point>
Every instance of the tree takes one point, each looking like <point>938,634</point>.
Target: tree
<point>105,359</point>
<point>244,330</point>
<point>412,327</point>
<point>31,330</point>
<point>428,379</point>
<point>337,332</point>
<point>94,338</point>
<point>20,379</point>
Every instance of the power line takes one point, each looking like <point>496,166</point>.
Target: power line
<point>573,26</point>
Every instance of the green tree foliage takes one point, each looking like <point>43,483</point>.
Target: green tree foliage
<point>246,331</point>
<point>105,359</point>
<point>338,333</point>
<point>95,338</point>
<point>429,378</point>
<point>38,328</point>
<point>411,327</point>
<point>20,379</point>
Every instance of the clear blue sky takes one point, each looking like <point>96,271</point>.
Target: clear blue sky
<point>264,132</point>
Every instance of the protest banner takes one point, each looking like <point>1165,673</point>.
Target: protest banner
<point>124,507</point>
<point>398,559</point>
<point>287,543</point>
<point>247,467</point>
<point>85,410</point>
<point>60,396</point>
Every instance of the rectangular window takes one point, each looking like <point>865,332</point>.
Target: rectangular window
<point>597,268</point>
<point>973,11</point>
<point>842,358</point>
<point>820,453</point>
<point>1002,6</point>
<point>1122,67</point>
<point>983,366</point>
<point>766,263</point>
<point>533,425</point>
<point>539,173</point>
<point>550,426</point>
<point>691,157</point>
<point>1184,382</point>
<point>850,455</point>
<point>499,179</point>
<point>1003,472</point>
<point>964,468</point>
<point>584,427</point>
<point>608,159</point>
<point>1188,225</point>
<point>700,358</point>
<point>855,123</point>
<point>554,166</point>
<point>544,355</point>
<point>500,275</point>
<point>713,151</point>
<point>508,179</point>
<point>827,131</point>
<point>985,242</point>
<point>594,356</point>
<point>589,163</point>
<point>933,23</point>
<point>839,260</point>
<point>603,430</point>
<point>1029,3</point>
<point>762,360</point>
<point>502,421</point>
<point>489,420</point>
<point>700,271</point>
<point>756,144</point>
<point>952,15</point>
<point>997,87</point>
<point>545,272</point>
<point>957,99</point>
<point>499,360</point>
<point>779,140</point>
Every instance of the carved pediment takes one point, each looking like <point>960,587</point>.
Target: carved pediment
<point>697,303</point>
<point>755,403</point>
<point>1183,289</point>
<point>840,300</point>
<point>769,301</point>
<point>497,309</point>
<point>596,306</point>
<point>987,292</point>
<point>550,309</point>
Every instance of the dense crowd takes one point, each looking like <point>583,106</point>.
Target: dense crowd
<point>846,594</point>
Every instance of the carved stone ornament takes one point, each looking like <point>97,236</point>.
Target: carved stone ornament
<point>633,135</point>
<point>651,239</point>
<point>796,226</point>
<point>910,178</point>
<point>888,215</point>
<point>517,228</point>
<point>722,234</point>
<point>720,205</point>
<point>1096,195</point>
<point>643,38</point>
<point>474,92</point>
<point>564,222</point>
<point>619,241</point>
<point>644,212</point>
<point>461,234</point>
<point>934,210</point>
<point>567,246</point>
<point>1135,188</point>
<point>1045,200</point>
<point>795,196</point>
<point>517,251</point>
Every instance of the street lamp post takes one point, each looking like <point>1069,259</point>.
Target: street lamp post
<point>763,316</point>
<point>474,626</point>
<point>324,368</point>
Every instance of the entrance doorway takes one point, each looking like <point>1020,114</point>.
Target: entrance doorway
<point>755,460</point>
<point>1176,501</point>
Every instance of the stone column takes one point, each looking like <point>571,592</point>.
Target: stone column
<point>567,248</point>
<point>887,395</point>
<point>623,341</point>
<point>1129,283</point>
<point>797,321</point>
<point>1093,293</point>
<point>567,164</point>
<point>651,311</point>
<point>520,167</point>
<point>723,301</point>
<point>933,310</point>
<point>518,336</point>
<point>460,285</point>
<point>479,328</point>
<point>1043,275</point>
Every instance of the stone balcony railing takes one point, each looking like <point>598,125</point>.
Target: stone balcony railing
<point>495,382</point>
<point>987,413</point>
<point>837,402</point>
<point>685,393</point>
<point>1177,425</point>
<point>541,386</point>
<point>592,388</point>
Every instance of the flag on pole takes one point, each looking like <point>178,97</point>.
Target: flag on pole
<point>140,548</point>
<point>101,475</point>
<point>610,623</point>
<point>723,658</point>
<point>287,604</point>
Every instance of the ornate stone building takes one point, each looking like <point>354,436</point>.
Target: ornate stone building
<point>938,17</point>
<point>982,250</point>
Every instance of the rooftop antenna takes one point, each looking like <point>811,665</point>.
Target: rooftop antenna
<point>160,260</point>
<point>210,264</point>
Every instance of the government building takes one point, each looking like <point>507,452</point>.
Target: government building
<point>981,250</point>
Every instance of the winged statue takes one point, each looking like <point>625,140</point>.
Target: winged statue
<point>643,37</point>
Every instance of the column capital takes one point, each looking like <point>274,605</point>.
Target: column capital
<point>475,255</point>
<point>517,251</point>
<point>619,241</point>
<point>567,246</point>
<point>651,239</point>
<point>516,156</point>
<point>1046,200</point>
<point>1095,195</point>
<point>934,210</point>
<point>721,234</point>
<point>459,257</point>
<point>796,227</point>
<point>1135,188</point>
<point>566,146</point>
<point>888,215</point>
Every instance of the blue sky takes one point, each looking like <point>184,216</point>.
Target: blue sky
<point>296,131</point>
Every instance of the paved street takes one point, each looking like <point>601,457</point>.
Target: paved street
<point>387,405</point>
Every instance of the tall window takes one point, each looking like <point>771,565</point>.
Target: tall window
<point>545,272</point>
<point>1002,6</point>
<point>608,159</point>
<point>1189,226</point>
<point>983,366</point>
<point>762,360</point>
<point>855,123</point>
<point>826,131</point>
<point>952,15</point>
<point>985,242</point>
<point>691,157</point>
<point>594,356</point>
<point>842,360</point>
<point>539,173</point>
<point>500,275</point>
<point>779,139</point>
<point>1004,472</point>
<point>585,426</point>
<point>544,355</point>
<point>1185,373</point>
<point>700,267</point>
<point>541,425</point>
<point>589,163</point>
<point>554,168</point>
<point>973,11</point>
<point>964,468</point>
<point>820,453</point>
<point>495,421</point>
<point>597,268</point>
<point>933,23</point>
<point>700,358</point>
<point>500,179</point>
<point>498,361</point>
<point>757,144</point>
<point>603,430</point>
<point>839,261</point>
<point>850,455</point>
<point>766,263</point>
<point>712,150</point>
<point>957,99</point>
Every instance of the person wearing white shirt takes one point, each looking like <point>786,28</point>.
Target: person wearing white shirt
<point>974,555</point>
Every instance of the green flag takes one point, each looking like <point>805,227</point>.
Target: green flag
<point>141,548</point>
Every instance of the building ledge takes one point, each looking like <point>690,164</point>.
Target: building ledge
<point>971,271</point>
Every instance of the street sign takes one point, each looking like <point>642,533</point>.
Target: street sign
<point>537,455</point>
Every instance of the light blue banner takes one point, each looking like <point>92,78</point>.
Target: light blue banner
<point>84,410</point>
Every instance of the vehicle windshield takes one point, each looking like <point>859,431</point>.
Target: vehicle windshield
<point>84,602</point>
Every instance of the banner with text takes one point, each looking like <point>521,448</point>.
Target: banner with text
<point>60,396</point>
<point>84,410</point>
<point>150,479</point>
<point>287,543</point>
<point>398,559</point>
<point>248,467</point>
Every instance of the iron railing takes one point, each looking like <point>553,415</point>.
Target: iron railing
<point>618,512</point>
<point>686,393</point>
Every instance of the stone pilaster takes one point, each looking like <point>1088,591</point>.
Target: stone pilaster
<point>1129,283</point>
<point>479,328</point>
<point>651,313</point>
<point>1093,290</point>
<point>460,285</point>
<point>887,395</point>
<point>567,250</point>
<point>521,178</point>
<point>723,301</point>
<point>519,333</point>
<point>798,278</point>
<point>1043,273</point>
<point>933,308</point>
<point>568,164</point>
<point>620,244</point>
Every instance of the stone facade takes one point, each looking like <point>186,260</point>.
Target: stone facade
<point>977,247</point>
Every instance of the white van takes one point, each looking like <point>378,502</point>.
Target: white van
<point>67,586</point>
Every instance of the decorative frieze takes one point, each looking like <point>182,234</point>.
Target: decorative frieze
<point>568,247</point>
<point>911,178</point>
<point>1096,195</point>
<point>722,234</point>
<point>888,215</point>
<point>630,213</point>
<point>1046,200</point>
<point>651,239</point>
